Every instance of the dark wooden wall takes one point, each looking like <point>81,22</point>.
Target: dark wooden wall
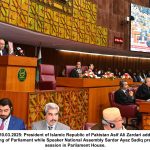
<point>60,59</point>
<point>111,13</point>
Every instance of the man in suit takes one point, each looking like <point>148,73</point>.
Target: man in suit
<point>2,48</point>
<point>7,121</point>
<point>143,91</point>
<point>112,120</point>
<point>76,72</point>
<point>51,111</point>
<point>123,96</point>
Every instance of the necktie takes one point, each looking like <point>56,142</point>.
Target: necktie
<point>2,125</point>
<point>126,92</point>
<point>50,127</point>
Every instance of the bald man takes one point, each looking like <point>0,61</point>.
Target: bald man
<point>2,48</point>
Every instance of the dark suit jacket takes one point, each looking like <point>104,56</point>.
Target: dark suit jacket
<point>74,73</point>
<point>98,126</point>
<point>16,124</point>
<point>143,92</point>
<point>4,52</point>
<point>122,98</point>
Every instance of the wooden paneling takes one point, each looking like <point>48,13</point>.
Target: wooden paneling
<point>9,68</point>
<point>87,82</point>
<point>98,90</point>
<point>98,100</point>
<point>144,109</point>
<point>111,13</point>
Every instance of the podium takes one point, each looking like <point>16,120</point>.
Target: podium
<point>17,73</point>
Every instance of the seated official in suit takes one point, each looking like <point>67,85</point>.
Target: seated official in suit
<point>143,91</point>
<point>112,120</point>
<point>2,48</point>
<point>123,95</point>
<point>77,71</point>
<point>90,72</point>
<point>51,111</point>
<point>7,121</point>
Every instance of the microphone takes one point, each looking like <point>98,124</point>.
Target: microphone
<point>19,51</point>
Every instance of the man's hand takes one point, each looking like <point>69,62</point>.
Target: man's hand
<point>131,93</point>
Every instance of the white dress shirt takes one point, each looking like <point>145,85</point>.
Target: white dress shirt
<point>6,123</point>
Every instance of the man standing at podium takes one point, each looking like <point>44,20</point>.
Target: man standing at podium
<point>7,121</point>
<point>2,48</point>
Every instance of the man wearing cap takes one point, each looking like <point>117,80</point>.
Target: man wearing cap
<point>112,120</point>
<point>51,119</point>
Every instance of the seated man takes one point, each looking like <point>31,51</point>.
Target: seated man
<point>2,48</point>
<point>143,91</point>
<point>123,96</point>
<point>51,111</point>
<point>112,120</point>
<point>89,72</point>
<point>76,72</point>
<point>7,121</point>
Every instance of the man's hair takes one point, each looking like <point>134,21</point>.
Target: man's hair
<point>50,106</point>
<point>121,83</point>
<point>6,101</point>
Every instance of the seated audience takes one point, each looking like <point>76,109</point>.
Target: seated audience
<point>51,111</point>
<point>143,74</point>
<point>148,74</point>
<point>112,120</point>
<point>123,95</point>
<point>117,73</point>
<point>2,48</point>
<point>7,121</point>
<point>139,77</point>
<point>143,91</point>
<point>76,72</point>
<point>134,77</point>
<point>100,73</point>
<point>123,71</point>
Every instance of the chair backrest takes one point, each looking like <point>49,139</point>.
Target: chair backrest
<point>129,111</point>
<point>84,68</point>
<point>47,77</point>
<point>68,69</point>
<point>88,126</point>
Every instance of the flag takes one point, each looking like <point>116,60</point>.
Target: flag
<point>38,63</point>
<point>10,48</point>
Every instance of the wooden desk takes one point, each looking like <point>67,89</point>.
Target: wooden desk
<point>87,82</point>
<point>144,108</point>
<point>98,90</point>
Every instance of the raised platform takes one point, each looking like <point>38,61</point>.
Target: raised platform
<point>87,82</point>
